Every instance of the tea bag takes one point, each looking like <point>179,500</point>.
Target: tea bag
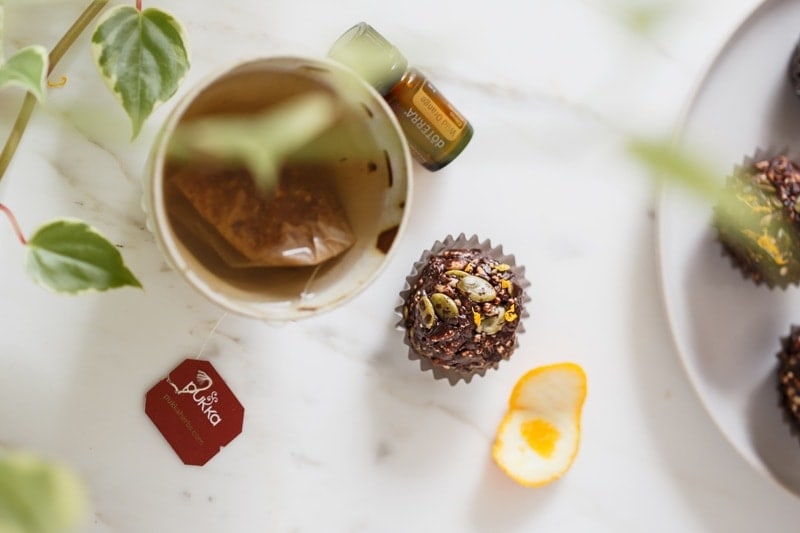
<point>299,223</point>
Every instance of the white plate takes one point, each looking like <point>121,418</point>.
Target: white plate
<point>727,329</point>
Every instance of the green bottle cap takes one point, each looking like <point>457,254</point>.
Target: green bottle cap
<point>371,56</point>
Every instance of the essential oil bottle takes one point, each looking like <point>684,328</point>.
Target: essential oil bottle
<point>436,132</point>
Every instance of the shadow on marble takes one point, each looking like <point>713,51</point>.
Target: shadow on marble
<point>499,504</point>
<point>411,411</point>
<point>496,502</point>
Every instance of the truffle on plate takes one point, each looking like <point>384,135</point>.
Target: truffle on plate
<point>758,220</point>
<point>789,378</point>
<point>461,308</point>
<point>794,69</point>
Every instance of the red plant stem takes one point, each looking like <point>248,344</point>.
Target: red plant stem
<point>138,5</point>
<point>14,224</point>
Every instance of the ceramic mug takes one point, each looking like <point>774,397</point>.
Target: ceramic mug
<point>370,165</point>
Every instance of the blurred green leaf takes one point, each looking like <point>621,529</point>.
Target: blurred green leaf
<point>2,28</point>
<point>142,56</point>
<point>68,256</point>
<point>261,142</point>
<point>676,167</point>
<point>744,215</point>
<point>26,69</point>
<point>38,496</point>
<point>643,19</point>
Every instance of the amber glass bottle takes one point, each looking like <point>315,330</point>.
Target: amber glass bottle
<point>436,132</point>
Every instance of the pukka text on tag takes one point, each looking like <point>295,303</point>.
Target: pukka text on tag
<point>195,411</point>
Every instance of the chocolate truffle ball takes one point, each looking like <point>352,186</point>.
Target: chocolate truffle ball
<point>757,220</point>
<point>789,378</point>
<point>794,70</point>
<point>462,311</point>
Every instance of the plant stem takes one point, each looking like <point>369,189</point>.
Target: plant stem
<point>29,103</point>
<point>14,224</point>
<point>2,28</point>
<point>138,5</point>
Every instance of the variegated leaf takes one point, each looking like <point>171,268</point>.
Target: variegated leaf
<point>142,56</point>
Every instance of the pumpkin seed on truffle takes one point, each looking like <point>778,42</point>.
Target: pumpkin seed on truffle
<point>426,312</point>
<point>491,324</point>
<point>444,306</point>
<point>477,289</point>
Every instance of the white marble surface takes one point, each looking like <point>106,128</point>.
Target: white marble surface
<point>342,432</point>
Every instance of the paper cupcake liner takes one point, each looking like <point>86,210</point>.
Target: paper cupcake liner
<point>789,347</point>
<point>462,242</point>
<point>749,270</point>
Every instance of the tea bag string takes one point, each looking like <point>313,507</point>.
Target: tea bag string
<point>210,334</point>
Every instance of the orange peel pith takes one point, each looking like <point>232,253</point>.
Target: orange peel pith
<point>539,436</point>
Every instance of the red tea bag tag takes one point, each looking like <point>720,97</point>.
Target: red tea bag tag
<point>195,411</point>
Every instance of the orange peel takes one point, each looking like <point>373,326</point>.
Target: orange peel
<point>539,436</point>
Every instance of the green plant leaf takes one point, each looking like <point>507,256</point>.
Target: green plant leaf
<point>643,19</point>
<point>676,167</point>
<point>142,56</point>
<point>27,69</point>
<point>2,27</point>
<point>38,496</point>
<point>261,141</point>
<point>68,256</point>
